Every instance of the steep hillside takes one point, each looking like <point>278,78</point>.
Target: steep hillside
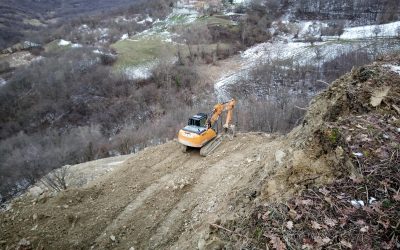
<point>357,11</point>
<point>161,198</point>
<point>352,130</point>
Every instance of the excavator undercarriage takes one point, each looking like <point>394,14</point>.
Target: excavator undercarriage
<point>214,143</point>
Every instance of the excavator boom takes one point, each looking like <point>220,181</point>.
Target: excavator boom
<point>219,108</point>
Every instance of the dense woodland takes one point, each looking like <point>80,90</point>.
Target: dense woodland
<point>55,18</point>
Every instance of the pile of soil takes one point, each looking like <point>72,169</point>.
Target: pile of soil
<point>355,126</point>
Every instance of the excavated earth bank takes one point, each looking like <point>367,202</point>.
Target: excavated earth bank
<point>161,198</point>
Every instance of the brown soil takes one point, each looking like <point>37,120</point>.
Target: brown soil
<point>159,198</point>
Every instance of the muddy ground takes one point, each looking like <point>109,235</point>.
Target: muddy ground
<point>159,198</point>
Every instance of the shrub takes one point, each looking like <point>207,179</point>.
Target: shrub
<point>4,67</point>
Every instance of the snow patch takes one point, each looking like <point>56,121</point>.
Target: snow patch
<point>84,27</point>
<point>2,82</point>
<point>368,31</point>
<point>241,2</point>
<point>371,200</point>
<point>39,58</point>
<point>233,14</point>
<point>168,40</point>
<point>311,28</point>
<point>357,203</point>
<point>124,36</point>
<point>358,154</point>
<point>221,85</point>
<point>63,42</point>
<point>99,52</point>
<point>121,19</point>
<point>143,71</point>
<point>148,19</point>
<point>394,68</point>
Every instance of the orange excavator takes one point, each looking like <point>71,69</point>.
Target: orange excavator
<point>202,131</point>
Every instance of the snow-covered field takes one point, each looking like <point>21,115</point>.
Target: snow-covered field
<point>302,53</point>
<point>160,28</point>
<point>370,31</point>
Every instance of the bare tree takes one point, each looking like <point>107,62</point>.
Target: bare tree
<point>340,28</point>
<point>398,31</point>
<point>311,39</point>
<point>377,30</point>
<point>55,180</point>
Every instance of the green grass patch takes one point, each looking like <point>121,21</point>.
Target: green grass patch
<point>33,22</point>
<point>342,41</point>
<point>54,47</point>
<point>178,18</point>
<point>213,20</point>
<point>136,52</point>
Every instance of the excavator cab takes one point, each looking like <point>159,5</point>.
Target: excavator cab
<point>196,124</point>
<point>198,120</point>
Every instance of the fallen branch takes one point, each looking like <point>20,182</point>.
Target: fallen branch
<point>300,107</point>
<point>323,82</point>
<point>229,231</point>
<point>308,179</point>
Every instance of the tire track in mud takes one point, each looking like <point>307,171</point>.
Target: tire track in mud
<point>238,176</point>
<point>159,198</point>
<point>174,221</point>
<point>167,171</point>
<point>160,175</point>
<point>162,221</point>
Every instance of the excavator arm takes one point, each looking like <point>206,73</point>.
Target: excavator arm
<point>217,111</point>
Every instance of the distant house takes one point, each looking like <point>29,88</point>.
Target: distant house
<point>210,5</point>
<point>202,6</point>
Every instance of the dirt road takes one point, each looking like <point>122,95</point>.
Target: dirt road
<point>158,199</point>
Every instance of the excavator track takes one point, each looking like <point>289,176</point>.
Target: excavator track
<point>211,146</point>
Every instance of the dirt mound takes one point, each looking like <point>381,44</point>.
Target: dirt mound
<point>352,130</point>
<point>315,150</point>
<point>364,89</point>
